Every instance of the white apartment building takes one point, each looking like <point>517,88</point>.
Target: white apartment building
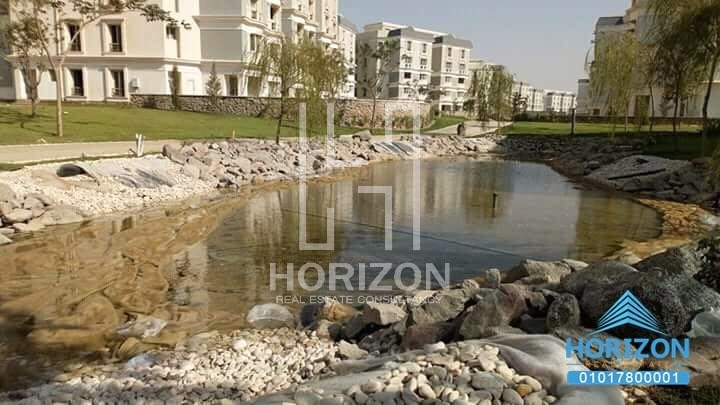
<point>561,102</point>
<point>450,74</point>
<point>347,37</point>
<point>124,54</point>
<point>427,62</point>
<point>637,20</point>
<point>533,98</point>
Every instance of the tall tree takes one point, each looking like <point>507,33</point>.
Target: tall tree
<point>500,93</point>
<point>613,74</point>
<point>280,61</point>
<point>477,103</point>
<point>213,88</point>
<point>699,24</point>
<point>46,19</point>
<point>24,42</point>
<point>378,62</point>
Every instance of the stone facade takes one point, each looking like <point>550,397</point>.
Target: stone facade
<point>349,112</point>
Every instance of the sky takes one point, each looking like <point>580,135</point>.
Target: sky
<point>543,42</point>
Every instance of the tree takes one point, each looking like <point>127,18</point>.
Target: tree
<point>45,18</point>
<point>279,60</point>
<point>24,42</point>
<point>614,73</point>
<point>175,88</point>
<point>379,62</point>
<point>499,94</point>
<point>478,96</point>
<point>700,22</point>
<point>213,87</point>
<point>678,73</point>
<point>519,104</point>
<point>323,76</point>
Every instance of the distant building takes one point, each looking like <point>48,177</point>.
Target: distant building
<point>428,63</point>
<point>533,98</point>
<point>583,98</point>
<point>561,102</point>
<point>450,74</point>
<point>347,37</point>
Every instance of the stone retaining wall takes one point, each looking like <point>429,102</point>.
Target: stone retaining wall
<point>349,112</point>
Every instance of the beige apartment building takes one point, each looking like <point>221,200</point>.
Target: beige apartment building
<point>534,98</point>
<point>428,62</point>
<point>347,38</point>
<point>450,75</point>
<point>637,21</point>
<point>124,54</point>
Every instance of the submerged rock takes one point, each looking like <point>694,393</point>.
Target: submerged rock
<point>270,316</point>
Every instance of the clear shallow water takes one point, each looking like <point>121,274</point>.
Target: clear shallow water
<point>63,293</point>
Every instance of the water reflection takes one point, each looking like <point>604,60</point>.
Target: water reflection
<point>63,293</point>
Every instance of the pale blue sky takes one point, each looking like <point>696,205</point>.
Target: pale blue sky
<point>544,42</point>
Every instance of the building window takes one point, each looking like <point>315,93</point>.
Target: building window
<point>254,42</point>
<point>118,83</point>
<point>462,54</point>
<point>73,32</point>
<point>423,63</point>
<point>407,75</point>
<point>448,67</point>
<point>424,48</point>
<point>407,62</point>
<point>448,79</point>
<point>407,91</point>
<point>462,68</point>
<point>77,87</point>
<point>115,34</point>
<point>253,9</point>
<point>171,33</point>
<point>231,81</point>
<point>449,52</point>
<point>423,76</point>
<point>53,75</point>
<point>461,80</point>
<point>408,46</point>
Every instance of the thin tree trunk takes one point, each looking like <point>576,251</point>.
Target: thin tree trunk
<point>706,103</point>
<point>652,110</point>
<point>372,117</point>
<point>676,144</point>
<point>59,78</point>
<point>280,119</point>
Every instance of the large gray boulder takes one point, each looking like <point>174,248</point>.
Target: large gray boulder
<point>382,314</point>
<point>535,272</point>
<point>597,275</point>
<point>495,309</point>
<point>445,305</point>
<point>18,215</point>
<point>563,312</point>
<point>682,260</point>
<point>175,154</point>
<point>674,299</point>
<point>270,316</point>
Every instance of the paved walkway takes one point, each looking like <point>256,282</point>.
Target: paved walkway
<point>19,154</point>
<point>472,128</point>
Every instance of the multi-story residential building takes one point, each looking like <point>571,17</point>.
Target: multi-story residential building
<point>122,54</point>
<point>410,68</point>
<point>559,101</point>
<point>347,37</point>
<point>638,21</point>
<point>450,74</point>
<point>532,98</point>
<point>428,62</point>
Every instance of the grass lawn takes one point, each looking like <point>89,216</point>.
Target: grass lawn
<point>93,123</point>
<point>661,143</point>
